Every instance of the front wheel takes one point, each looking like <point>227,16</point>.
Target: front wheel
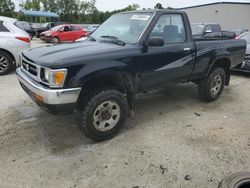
<point>104,113</point>
<point>210,89</point>
<point>55,40</point>
<point>5,63</point>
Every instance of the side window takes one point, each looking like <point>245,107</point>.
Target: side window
<point>3,28</point>
<point>209,28</point>
<point>171,28</point>
<point>67,28</point>
<point>215,28</point>
<point>75,28</point>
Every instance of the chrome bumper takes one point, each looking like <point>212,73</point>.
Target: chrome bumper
<point>50,96</point>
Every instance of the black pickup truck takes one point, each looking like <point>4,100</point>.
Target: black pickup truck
<point>130,53</point>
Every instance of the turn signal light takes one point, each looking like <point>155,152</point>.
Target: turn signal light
<point>39,98</point>
<point>59,77</point>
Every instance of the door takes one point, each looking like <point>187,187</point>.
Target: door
<point>172,62</point>
<point>76,32</point>
<point>65,34</point>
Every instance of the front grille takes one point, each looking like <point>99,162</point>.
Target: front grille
<point>31,68</point>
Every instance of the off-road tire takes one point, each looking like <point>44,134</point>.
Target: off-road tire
<point>205,85</point>
<point>91,100</point>
<point>9,63</point>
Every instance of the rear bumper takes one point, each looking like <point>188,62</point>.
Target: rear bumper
<point>57,101</point>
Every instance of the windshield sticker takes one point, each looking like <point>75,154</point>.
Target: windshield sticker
<point>140,17</point>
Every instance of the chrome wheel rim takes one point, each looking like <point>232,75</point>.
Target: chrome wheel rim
<point>216,85</point>
<point>106,115</point>
<point>3,64</point>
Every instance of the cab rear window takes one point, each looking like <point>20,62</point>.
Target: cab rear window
<point>3,28</point>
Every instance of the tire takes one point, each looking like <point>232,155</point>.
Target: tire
<point>6,63</point>
<point>211,88</point>
<point>55,40</point>
<point>102,105</point>
<point>238,180</point>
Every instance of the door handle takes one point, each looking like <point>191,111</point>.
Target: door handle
<point>187,49</point>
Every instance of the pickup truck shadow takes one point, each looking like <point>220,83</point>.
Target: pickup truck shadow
<point>60,135</point>
<point>160,102</point>
<point>244,74</point>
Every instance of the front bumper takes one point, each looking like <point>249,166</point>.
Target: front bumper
<point>57,101</point>
<point>46,38</point>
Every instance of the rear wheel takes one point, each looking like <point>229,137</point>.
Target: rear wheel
<point>210,89</point>
<point>104,113</point>
<point>6,63</point>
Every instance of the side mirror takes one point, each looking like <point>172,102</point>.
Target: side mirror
<point>156,41</point>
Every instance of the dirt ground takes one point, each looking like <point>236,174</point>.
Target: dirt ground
<point>173,135</point>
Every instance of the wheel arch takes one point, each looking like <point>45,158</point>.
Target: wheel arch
<point>9,53</point>
<point>222,62</point>
<point>124,82</point>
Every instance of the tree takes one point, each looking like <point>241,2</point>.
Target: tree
<point>48,5</point>
<point>31,5</point>
<point>159,6</point>
<point>7,8</point>
<point>131,7</point>
<point>74,11</point>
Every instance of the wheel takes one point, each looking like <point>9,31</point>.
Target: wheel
<point>5,63</point>
<point>38,34</point>
<point>55,40</point>
<point>237,180</point>
<point>104,113</point>
<point>211,88</point>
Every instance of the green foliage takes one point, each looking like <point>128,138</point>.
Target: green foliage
<point>7,8</point>
<point>71,11</point>
<point>159,6</point>
<point>31,5</point>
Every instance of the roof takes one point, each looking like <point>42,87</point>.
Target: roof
<point>3,18</point>
<point>152,11</point>
<point>222,2</point>
<point>39,13</point>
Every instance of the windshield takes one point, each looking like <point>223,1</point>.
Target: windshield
<point>56,28</point>
<point>246,36</point>
<point>197,29</point>
<point>126,27</point>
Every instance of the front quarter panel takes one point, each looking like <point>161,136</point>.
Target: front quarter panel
<point>125,61</point>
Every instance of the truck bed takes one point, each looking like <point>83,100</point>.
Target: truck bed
<point>208,50</point>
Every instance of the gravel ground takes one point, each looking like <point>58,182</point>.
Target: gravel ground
<point>174,135</point>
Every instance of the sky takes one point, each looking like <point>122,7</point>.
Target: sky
<point>105,5</point>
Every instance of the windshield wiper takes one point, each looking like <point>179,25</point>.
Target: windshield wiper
<point>91,38</point>
<point>115,39</point>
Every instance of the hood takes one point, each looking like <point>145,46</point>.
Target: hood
<point>46,32</point>
<point>72,53</point>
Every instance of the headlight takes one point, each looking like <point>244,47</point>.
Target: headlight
<point>54,78</point>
